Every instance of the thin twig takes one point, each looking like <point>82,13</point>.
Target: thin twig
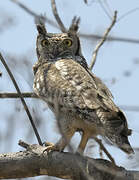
<point>102,41</point>
<point>104,149</point>
<point>110,38</point>
<point>55,12</point>
<point>21,97</point>
<point>16,95</point>
<point>104,9</point>
<point>127,13</point>
<point>23,144</point>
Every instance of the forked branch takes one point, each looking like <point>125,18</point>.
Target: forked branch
<point>102,41</point>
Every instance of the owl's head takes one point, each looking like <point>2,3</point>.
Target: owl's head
<point>51,46</point>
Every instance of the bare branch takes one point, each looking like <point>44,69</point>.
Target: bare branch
<point>55,12</point>
<point>119,39</point>
<point>34,162</point>
<point>21,97</point>
<point>102,41</point>
<point>104,9</point>
<point>127,13</point>
<point>16,95</point>
<point>105,150</point>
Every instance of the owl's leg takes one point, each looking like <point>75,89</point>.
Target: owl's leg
<point>83,142</point>
<point>64,141</point>
<point>61,144</point>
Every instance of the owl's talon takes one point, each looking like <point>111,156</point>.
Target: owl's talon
<point>50,147</point>
<point>48,144</point>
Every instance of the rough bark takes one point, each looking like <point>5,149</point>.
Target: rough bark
<point>35,162</point>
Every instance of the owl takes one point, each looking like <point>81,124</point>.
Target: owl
<point>79,100</point>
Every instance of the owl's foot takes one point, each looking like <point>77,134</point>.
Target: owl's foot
<point>50,147</point>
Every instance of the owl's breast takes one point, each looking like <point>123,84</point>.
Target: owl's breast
<point>40,84</point>
<point>50,86</point>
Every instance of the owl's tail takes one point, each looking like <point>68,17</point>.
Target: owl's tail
<point>124,145</point>
<point>116,130</point>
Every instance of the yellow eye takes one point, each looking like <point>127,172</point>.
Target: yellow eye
<point>45,42</point>
<point>67,42</point>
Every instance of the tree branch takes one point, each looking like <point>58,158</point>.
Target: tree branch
<point>16,95</point>
<point>21,97</point>
<point>55,12</point>
<point>35,162</point>
<point>102,147</point>
<point>102,41</point>
<point>110,38</point>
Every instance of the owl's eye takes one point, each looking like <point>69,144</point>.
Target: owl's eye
<point>67,42</point>
<point>45,42</point>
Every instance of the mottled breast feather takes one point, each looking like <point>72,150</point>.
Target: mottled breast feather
<point>76,87</point>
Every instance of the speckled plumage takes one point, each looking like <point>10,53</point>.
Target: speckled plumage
<point>63,80</point>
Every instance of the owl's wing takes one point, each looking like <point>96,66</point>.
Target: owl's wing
<point>77,88</point>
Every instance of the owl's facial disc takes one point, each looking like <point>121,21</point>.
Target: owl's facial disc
<point>54,46</point>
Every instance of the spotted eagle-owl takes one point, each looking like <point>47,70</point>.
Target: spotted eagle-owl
<point>79,99</point>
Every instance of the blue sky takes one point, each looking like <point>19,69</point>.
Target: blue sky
<point>113,60</point>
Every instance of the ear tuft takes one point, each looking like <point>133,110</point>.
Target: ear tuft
<point>40,24</point>
<point>74,25</point>
<point>41,29</point>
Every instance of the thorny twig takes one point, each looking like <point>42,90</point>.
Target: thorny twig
<point>55,12</point>
<point>21,97</point>
<point>102,41</point>
<point>104,149</point>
